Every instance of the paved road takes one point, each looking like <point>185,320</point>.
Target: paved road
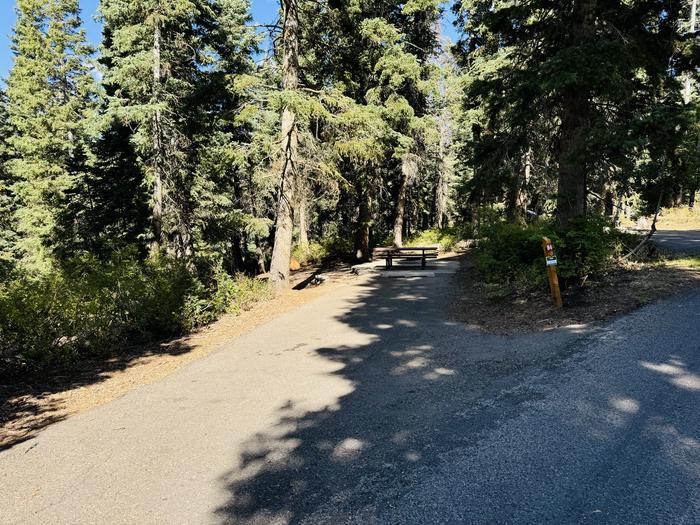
<point>682,241</point>
<point>367,406</point>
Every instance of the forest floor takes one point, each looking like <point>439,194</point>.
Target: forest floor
<point>602,297</point>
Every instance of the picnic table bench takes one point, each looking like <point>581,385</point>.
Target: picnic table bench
<point>414,252</point>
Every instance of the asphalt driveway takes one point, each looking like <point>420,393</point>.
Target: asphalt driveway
<point>681,241</point>
<point>368,405</point>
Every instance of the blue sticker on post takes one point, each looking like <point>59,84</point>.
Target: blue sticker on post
<point>551,261</point>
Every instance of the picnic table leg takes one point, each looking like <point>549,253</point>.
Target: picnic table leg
<point>423,262</point>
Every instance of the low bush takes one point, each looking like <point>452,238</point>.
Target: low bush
<point>313,253</point>
<point>91,307</point>
<point>588,248</point>
<point>447,238</point>
<point>331,246</point>
<point>512,254</point>
<point>225,294</point>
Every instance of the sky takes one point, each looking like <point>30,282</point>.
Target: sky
<point>264,11</point>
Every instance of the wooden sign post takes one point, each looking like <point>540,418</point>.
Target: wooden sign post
<point>552,271</point>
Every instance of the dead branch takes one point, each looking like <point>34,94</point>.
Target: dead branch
<point>651,232</point>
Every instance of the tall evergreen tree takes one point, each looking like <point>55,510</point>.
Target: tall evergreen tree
<point>388,74</point>
<point>287,167</point>
<point>582,74</point>
<point>108,207</point>
<point>162,59</point>
<point>51,101</point>
<point>7,203</point>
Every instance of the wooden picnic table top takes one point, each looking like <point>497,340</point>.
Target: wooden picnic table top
<point>406,248</point>
<point>407,252</point>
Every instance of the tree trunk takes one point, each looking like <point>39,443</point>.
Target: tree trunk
<point>677,196</point>
<point>183,245</point>
<point>609,204</point>
<point>523,197</point>
<point>442,182</point>
<point>302,212</point>
<point>440,202</point>
<point>284,227</point>
<point>535,207</point>
<point>260,260</point>
<point>441,199</point>
<point>511,199</point>
<point>364,223</point>
<point>409,168</point>
<point>687,83</point>
<point>691,199</point>
<point>620,209</point>
<point>516,199</point>
<point>235,260</point>
<point>157,161</point>
<point>571,197</point>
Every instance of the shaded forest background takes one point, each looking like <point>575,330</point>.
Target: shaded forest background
<point>144,184</point>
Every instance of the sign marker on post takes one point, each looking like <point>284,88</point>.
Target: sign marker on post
<point>552,271</point>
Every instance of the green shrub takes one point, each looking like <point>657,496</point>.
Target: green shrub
<point>589,247</point>
<point>447,238</point>
<point>225,294</point>
<point>313,253</point>
<point>89,306</point>
<point>512,254</point>
<point>331,246</point>
<point>337,246</point>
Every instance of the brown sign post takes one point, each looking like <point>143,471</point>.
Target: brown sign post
<point>552,271</point>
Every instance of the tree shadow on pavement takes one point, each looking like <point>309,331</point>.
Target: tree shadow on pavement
<point>424,390</point>
<point>412,389</point>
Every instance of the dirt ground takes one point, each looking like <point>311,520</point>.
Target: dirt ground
<point>600,298</point>
<point>27,407</point>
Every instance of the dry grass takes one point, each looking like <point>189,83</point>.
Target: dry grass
<point>683,263</point>
<point>670,219</point>
<point>679,219</point>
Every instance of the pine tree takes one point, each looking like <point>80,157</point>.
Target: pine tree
<point>108,207</point>
<point>287,167</point>
<point>7,203</point>
<point>403,88</point>
<point>162,63</point>
<point>51,101</point>
<point>581,73</point>
<point>388,76</point>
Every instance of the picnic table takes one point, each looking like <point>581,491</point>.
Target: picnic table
<point>413,252</point>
